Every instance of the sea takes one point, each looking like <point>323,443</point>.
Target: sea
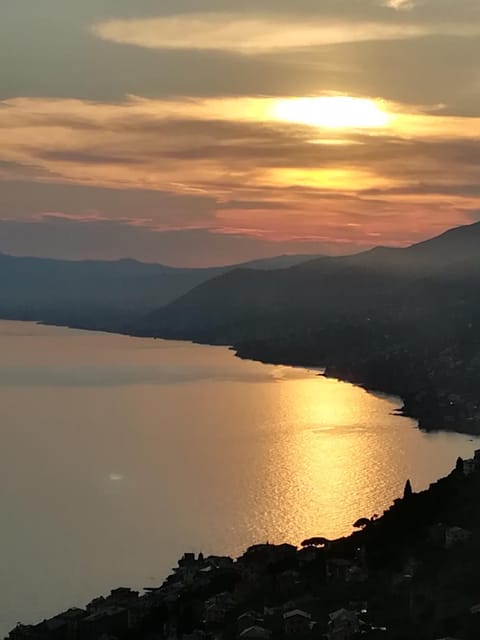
<point>119,454</point>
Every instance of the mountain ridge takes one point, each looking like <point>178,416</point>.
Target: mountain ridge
<point>99,294</point>
<point>407,327</point>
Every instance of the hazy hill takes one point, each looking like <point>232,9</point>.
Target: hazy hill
<point>403,321</point>
<point>98,294</point>
<point>384,283</point>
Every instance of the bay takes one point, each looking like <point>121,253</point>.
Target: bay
<point>118,454</point>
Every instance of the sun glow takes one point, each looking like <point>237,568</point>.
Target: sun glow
<point>332,112</point>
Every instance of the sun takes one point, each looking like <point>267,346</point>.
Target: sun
<point>332,112</point>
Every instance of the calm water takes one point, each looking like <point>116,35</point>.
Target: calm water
<point>118,454</point>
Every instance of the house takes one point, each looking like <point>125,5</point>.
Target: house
<point>217,608</point>
<point>309,555</point>
<point>343,625</point>
<point>123,596</point>
<point>219,562</point>
<point>111,621</point>
<point>249,619</point>
<point>297,622</point>
<point>255,633</point>
<point>256,558</point>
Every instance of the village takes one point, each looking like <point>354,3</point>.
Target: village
<point>392,579</point>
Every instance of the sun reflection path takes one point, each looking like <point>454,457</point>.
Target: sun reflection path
<point>331,461</point>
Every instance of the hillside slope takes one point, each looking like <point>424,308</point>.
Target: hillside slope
<point>404,321</point>
<point>99,294</point>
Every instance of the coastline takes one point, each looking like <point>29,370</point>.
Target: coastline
<point>432,411</point>
<point>429,410</point>
<point>392,579</point>
<point>426,415</point>
<point>404,518</point>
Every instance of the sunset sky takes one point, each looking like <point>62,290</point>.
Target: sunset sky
<point>200,132</point>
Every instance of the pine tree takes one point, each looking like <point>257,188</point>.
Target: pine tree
<point>407,492</point>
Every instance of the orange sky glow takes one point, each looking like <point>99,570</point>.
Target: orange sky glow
<point>333,155</point>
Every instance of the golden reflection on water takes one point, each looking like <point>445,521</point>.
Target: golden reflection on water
<point>125,453</point>
<point>329,464</point>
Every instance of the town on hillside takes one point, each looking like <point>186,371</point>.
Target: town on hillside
<point>411,574</point>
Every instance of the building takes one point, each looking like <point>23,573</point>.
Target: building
<point>217,608</point>
<point>255,633</point>
<point>297,622</point>
<point>249,619</point>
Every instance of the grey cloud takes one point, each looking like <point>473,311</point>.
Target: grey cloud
<point>107,239</point>
<point>70,10</point>
<point>22,199</point>
<point>258,145</point>
<point>14,171</point>
<point>84,157</point>
<point>429,70</point>
<point>47,50</point>
<point>266,145</point>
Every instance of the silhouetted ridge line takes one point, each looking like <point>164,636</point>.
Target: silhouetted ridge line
<point>404,321</point>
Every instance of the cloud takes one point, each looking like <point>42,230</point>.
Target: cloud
<point>245,34</point>
<point>34,200</point>
<point>223,148</point>
<point>228,174</point>
<point>52,51</point>
<point>400,5</point>
<point>74,238</point>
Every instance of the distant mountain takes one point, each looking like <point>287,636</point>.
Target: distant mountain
<point>99,294</point>
<point>454,248</point>
<point>278,262</point>
<point>244,303</point>
<point>403,321</point>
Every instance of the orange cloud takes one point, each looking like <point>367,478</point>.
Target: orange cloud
<point>353,183</point>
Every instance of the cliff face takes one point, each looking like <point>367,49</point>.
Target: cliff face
<point>410,574</point>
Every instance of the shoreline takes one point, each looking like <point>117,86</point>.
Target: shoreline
<point>427,411</point>
<point>402,516</point>
<point>430,412</point>
<point>367,577</point>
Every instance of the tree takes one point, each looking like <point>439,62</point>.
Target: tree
<point>362,523</point>
<point>315,542</point>
<point>407,492</point>
<point>459,466</point>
